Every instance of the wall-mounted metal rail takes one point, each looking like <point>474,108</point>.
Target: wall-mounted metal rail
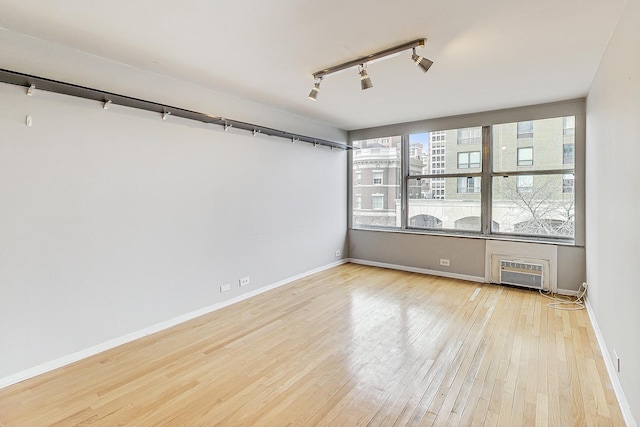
<point>107,98</point>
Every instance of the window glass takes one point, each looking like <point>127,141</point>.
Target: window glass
<point>525,129</point>
<point>525,156</point>
<point>440,205</point>
<point>377,182</point>
<point>468,159</point>
<point>534,206</point>
<point>568,151</point>
<point>549,148</point>
<point>470,136</point>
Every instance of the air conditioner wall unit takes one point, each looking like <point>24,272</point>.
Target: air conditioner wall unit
<point>529,265</point>
<point>522,273</point>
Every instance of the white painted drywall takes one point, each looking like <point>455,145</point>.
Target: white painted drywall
<point>113,220</point>
<point>612,224</point>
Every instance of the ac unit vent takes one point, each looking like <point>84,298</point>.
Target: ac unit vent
<point>520,273</point>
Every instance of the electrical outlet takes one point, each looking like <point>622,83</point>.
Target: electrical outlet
<point>244,281</point>
<point>226,287</point>
<point>445,262</point>
<point>615,353</point>
<point>338,253</point>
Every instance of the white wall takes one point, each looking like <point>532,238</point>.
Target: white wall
<point>112,221</point>
<point>613,176</point>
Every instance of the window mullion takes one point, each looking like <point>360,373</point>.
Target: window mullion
<point>486,184</point>
<point>404,182</point>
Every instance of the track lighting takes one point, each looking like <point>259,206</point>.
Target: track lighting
<point>315,90</point>
<point>421,62</point>
<point>365,80</point>
<point>361,63</point>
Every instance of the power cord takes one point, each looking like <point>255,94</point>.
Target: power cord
<point>566,303</point>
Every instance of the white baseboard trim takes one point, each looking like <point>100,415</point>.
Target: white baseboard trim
<point>611,370</point>
<point>418,270</point>
<point>91,351</point>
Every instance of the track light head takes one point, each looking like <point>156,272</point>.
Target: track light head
<point>421,62</point>
<point>365,80</point>
<point>313,95</point>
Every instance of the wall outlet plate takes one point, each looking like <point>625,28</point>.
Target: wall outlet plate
<point>244,281</point>
<point>445,262</point>
<point>338,253</point>
<point>226,287</point>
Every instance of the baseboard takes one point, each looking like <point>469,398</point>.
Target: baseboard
<point>611,370</point>
<point>418,270</point>
<point>91,351</point>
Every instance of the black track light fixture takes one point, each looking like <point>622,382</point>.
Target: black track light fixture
<point>365,80</point>
<point>315,90</point>
<point>361,63</point>
<point>421,62</point>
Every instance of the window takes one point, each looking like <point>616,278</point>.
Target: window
<point>530,204</point>
<point>358,203</point>
<point>525,156</point>
<point>524,183</point>
<point>525,129</point>
<point>377,201</point>
<point>469,136</point>
<point>494,189</point>
<point>568,153</point>
<point>567,183</point>
<point>569,125</point>
<point>468,160</point>
<point>470,184</point>
<point>377,172</point>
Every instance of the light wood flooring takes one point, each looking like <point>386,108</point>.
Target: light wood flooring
<point>352,345</point>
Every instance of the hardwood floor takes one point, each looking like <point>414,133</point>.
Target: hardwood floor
<point>353,345</point>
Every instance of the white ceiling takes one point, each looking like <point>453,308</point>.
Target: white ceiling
<point>488,54</point>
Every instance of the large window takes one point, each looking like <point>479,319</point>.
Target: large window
<point>485,180</point>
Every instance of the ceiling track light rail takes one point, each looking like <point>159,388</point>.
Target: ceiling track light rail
<point>107,99</point>
<point>361,63</point>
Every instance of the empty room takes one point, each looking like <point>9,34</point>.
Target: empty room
<point>319,213</point>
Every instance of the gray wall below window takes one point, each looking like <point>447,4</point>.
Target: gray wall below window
<point>466,255</point>
<point>419,251</point>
